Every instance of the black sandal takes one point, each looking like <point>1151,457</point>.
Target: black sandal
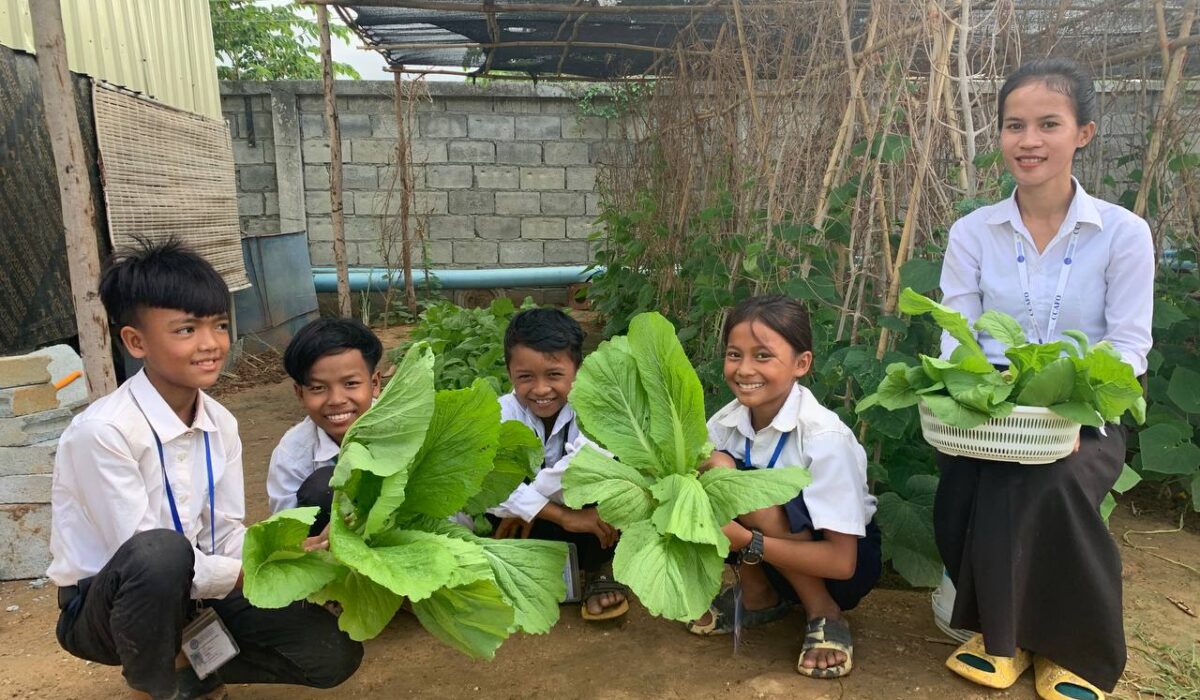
<point>721,615</point>
<point>598,586</point>
<point>827,633</point>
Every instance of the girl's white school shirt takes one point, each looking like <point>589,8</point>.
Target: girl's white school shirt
<point>108,485</point>
<point>1109,294</point>
<point>838,498</point>
<point>527,500</point>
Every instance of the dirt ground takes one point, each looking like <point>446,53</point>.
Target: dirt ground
<point>898,650</point>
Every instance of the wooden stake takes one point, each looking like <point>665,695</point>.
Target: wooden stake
<point>75,194</point>
<point>335,167</point>
<point>404,163</point>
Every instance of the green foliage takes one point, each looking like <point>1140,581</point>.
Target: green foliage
<point>254,41</point>
<point>410,461</point>
<point>468,344</point>
<point>1092,385</point>
<point>639,397</point>
<point>612,100</point>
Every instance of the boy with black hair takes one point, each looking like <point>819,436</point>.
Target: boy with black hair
<point>147,503</point>
<point>332,364</point>
<point>543,349</point>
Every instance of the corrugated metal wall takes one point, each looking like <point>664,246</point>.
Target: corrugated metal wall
<point>161,48</point>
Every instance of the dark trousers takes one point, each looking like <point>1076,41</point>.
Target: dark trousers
<point>133,612</point>
<point>316,491</point>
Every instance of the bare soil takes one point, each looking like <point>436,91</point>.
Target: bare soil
<point>898,650</point>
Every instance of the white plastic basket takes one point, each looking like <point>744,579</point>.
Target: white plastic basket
<point>1029,435</point>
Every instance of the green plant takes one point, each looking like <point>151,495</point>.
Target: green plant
<point>407,464</point>
<point>639,397</point>
<point>254,41</point>
<point>1091,385</point>
<point>468,343</point>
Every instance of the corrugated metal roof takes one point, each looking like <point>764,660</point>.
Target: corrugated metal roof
<point>160,48</point>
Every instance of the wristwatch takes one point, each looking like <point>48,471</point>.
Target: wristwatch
<point>752,553</point>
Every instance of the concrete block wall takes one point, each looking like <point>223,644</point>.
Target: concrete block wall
<point>505,175</point>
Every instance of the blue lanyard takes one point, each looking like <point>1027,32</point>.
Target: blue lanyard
<point>774,456</point>
<point>212,519</point>
<point>1063,274</point>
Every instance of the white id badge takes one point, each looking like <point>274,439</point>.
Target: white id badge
<point>207,644</point>
<point>571,575</point>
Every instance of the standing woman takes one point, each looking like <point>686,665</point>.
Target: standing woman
<point>1037,573</point>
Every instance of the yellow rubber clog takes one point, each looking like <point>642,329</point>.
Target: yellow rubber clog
<point>1054,682</point>
<point>971,661</point>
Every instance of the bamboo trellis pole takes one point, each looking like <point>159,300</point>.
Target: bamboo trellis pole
<point>337,216</point>
<point>404,165</point>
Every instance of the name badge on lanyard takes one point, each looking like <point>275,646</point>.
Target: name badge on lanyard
<point>1063,275</point>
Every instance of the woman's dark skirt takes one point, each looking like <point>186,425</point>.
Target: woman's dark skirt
<point>1033,562</point>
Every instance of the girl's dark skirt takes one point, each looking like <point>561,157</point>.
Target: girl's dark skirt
<point>1033,562</point>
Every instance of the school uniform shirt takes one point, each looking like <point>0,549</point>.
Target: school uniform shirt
<point>302,450</point>
<point>563,441</point>
<point>109,485</point>
<point>837,498</point>
<point>1109,294</point>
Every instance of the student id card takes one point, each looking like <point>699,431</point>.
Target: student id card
<point>571,575</point>
<point>207,644</point>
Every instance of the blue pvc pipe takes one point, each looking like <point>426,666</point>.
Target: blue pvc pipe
<point>377,279</point>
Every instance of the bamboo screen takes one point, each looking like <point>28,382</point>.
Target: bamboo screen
<point>169,173</point>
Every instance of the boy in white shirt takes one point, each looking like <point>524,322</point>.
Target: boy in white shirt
<point>543,349</point>
<point>332,362</point>
<point>147,503</point>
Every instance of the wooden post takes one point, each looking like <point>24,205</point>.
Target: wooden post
<point>75,194</point>
<point>404,163</point>
<point>335,167</point>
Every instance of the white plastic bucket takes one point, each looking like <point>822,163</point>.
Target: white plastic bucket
<point>943,607</point>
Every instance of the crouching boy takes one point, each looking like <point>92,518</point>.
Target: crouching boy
<point>332,362</point>
<point>543,349</point>
<point>147,504</point>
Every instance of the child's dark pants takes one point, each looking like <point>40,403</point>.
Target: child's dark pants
<point>133,612</point>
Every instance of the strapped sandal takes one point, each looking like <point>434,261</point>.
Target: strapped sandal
<point>721,615</point>
<point>827,633</point>
<point>597,586</point>
<point>971,661</point>
<point>1053,682</point>
<point>191,687</point>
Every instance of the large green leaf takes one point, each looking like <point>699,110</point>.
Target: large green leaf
<point>518,457</point>
<point>954,413</point>
<point>672,578</point>
<point>620,492</point>
<point>475,619</point>
<point>530,574</point>
<point>1032,357</point>
<point>1128,479</point>
<point>1002,327</point>
<point>677,421</point>
<point>612,407</point>
<point>396,423</point>
<point>391,497</point>
<point>367,607</point>
<point>1079,412</point>
<point>950,320</point>
<point>735,492</point>
<point>921,275</point>
<point>1184,389</point>
<point>897,390</point>
<point>907,527</point>
<point>686,512</point>
<point>277,569</point>
<point>981,392</point>
<point>1167,448</point>
<point>458,454</point>
<point>414,569</point>
<point>1114,388</point>
<point>1054,384</point>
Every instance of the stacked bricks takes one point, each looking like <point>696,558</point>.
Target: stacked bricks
<point>505,175</point>
<point>31,421</point>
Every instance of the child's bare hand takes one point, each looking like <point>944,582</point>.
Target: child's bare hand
<point>588,520</point>
<point>512,528</point>
<point>317,542</point>
<point>718,460</point>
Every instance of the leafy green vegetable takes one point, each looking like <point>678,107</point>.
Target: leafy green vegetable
<point>410,461</point>
<point>638,397</point>
<point>1088,384</point>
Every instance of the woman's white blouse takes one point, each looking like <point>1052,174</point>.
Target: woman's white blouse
<point>1109,294</point>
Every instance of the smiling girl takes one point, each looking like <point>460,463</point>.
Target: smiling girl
<point>821,549</point>
<point>1037,573</point>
